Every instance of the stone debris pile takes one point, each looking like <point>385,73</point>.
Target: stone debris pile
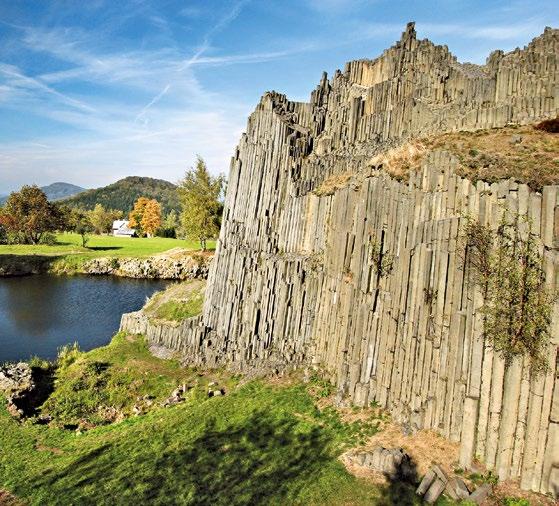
<point>436,482</point>
<point>394,463</point>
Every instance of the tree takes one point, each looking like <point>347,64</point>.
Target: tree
<point>146,216</point>
<point>80,223</point>
<point>28,215</point>
<point>151,219</point>
<point>200,194</point>
<point>102,219</point>
<point>137,214</point>
<point>169,225</point>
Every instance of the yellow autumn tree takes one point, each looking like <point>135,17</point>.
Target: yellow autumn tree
<point>151,220</point>
<point>146,216</point>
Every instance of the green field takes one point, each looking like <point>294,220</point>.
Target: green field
<point>68,256</point>
<point>261,443</point>
<point>103,245</point>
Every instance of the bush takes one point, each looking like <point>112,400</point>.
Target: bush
<point>515,501</point>
<point>36,362</point>
<point>48,239</point>
<point>517,304</point>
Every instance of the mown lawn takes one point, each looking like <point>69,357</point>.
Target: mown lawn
<point>103,245</point>
<point>261,443</point>
<point>67,256</point>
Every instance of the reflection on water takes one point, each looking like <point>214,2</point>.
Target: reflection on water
<point>38,314</point>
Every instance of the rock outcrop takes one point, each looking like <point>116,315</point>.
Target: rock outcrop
<point>179,266</point>
<point>369,280</point>
<point>18,385</point>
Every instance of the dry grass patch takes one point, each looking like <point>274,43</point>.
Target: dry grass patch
<point>425,447</point>
<point>332,184</point>
<point>400,161</point>
<point>526,154</point>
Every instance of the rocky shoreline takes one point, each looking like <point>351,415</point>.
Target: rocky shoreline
<point>177,264</point>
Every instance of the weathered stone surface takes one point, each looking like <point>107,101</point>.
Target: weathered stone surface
<point>394,463</point>
<point>296,277</point>
<point>18,385</point>
<point>481,493</point>
<point>456,489</point>
<point>157,267</point>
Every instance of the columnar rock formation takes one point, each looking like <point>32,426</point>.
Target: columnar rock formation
<point>296,278</point>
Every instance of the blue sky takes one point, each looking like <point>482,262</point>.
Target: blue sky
<point>94,91</point>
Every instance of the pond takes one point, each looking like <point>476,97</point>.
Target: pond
<point>39,314</point>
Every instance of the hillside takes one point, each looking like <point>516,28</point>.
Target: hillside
<point>122,194</point>
<point>56,191</point>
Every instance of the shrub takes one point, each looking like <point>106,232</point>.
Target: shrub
<point>48,239</point>
<point>515,501</point>
<point>517,304</point>
<point>36,362</point>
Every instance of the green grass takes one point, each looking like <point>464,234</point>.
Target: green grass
<point>97,386</point>
<point>68,256</point>
<point>102,245</point>
<point>179,310</point>
<point>258,444</point>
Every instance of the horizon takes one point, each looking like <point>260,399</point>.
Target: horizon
<point>93,94</point>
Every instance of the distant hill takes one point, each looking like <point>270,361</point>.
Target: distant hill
<point>122,194</point>
<point>56,191</point>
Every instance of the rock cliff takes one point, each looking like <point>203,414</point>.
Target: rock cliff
<point>296,277</point>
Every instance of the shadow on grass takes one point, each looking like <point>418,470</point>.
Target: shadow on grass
<point>103,248</point>
<point>401,490</point>
<point>261,460</point>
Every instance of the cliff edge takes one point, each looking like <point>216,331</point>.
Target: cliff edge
<point>368,280</point>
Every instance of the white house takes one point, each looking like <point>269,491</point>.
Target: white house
<point>121,228</point>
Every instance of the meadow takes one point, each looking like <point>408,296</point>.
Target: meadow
<point>102,245</point>
<point>260,443</point>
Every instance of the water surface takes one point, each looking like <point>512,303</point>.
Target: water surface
<point>38,314</point>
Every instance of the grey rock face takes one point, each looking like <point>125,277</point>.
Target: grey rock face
<point>18,385</point>
<point>295,280</point>
<point>157,267</point>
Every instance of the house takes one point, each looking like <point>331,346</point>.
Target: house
<point>121,228</point>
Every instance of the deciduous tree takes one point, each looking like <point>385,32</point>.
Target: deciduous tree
<point>200,194</point>
<point>28,215</point>
<point>102,219</point>
<point>151,219</point>
<point>146,216</point>
<point>80,223</point>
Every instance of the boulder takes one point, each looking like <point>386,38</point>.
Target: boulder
<point>433,485</point>
<point>456,489</point>
<point>481,493</point>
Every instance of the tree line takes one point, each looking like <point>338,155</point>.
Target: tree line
<point>28,217</point>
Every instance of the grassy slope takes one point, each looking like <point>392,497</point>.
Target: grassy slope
<point>177,302</point>
<point>259,444</point>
